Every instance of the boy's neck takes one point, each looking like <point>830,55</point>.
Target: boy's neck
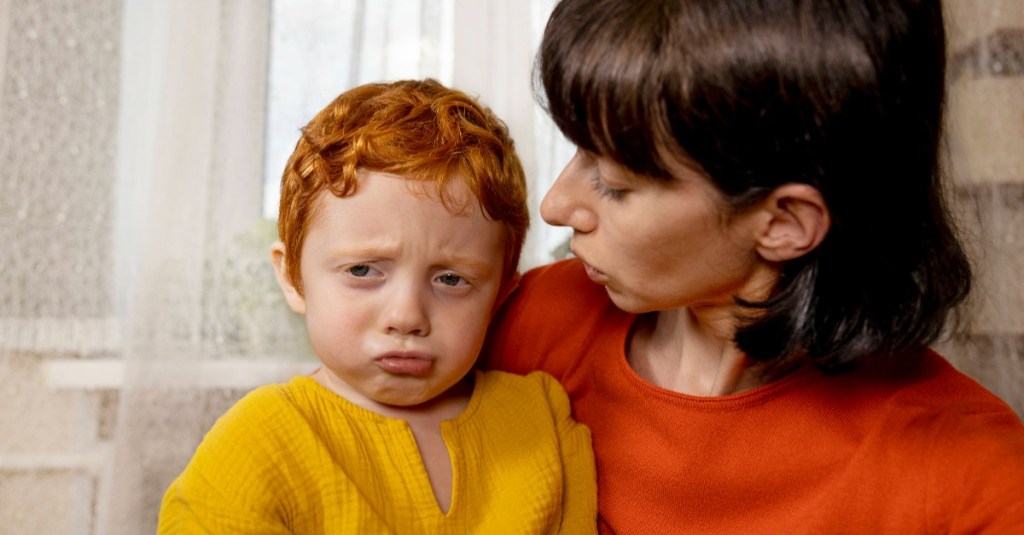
<point>424,422</point>
<point>443,407</point>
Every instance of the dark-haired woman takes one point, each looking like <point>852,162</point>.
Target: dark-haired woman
<point>757,196</point>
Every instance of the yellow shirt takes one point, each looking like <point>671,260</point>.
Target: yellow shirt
<point>297,458</point>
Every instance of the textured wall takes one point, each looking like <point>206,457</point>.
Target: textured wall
<point>58,120</point>
<point>986,159</point>
<point>59,93</point>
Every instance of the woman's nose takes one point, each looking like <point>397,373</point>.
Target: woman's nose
<point>566,203</point>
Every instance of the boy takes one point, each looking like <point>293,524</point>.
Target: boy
<point>402,217</point>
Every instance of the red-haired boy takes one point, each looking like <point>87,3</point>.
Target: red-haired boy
<point>402,216</point>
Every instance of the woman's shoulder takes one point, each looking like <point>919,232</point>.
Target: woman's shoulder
<point>558,294</point>
<point>917,403</point>
<point>936,406</point>
<point>564,279</point>
<point>931,381</point>
<point>973,447</point>
<point>935,433</point>
<point>552,317</point>
<point>920,384</point>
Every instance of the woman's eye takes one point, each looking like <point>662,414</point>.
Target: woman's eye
<point>603,190</point>
<point>451,279</point>
<point>359,270</point>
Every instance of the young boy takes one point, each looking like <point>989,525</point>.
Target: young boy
<point>402,216</point>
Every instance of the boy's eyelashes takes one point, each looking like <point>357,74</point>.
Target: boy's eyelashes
<point>360,270</point>
<point>448,278</point>
<point>452,279</point>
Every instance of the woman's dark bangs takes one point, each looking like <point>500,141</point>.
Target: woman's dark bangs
<point>570,112</point>
<point>604,97</point>
<point>608,116</point>
<point>633,127</point>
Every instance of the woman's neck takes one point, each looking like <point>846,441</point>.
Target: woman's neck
<point>691,352</point>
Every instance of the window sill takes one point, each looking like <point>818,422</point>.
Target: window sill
<point>110,374</point>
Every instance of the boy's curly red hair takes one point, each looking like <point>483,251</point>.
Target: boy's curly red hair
<point>419,130</point>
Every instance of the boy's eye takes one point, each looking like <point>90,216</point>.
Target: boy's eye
<point>451,279</point>
<point>359,270</point>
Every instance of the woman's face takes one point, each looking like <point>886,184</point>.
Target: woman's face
<point>654,245</point>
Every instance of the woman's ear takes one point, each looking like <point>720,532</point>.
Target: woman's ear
<point>291,294</point>
<point>797,222</point>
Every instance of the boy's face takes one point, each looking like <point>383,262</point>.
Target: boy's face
<point>397,290</point>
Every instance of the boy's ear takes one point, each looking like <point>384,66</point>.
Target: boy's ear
<point>291,294</point>
<point>797,220</point>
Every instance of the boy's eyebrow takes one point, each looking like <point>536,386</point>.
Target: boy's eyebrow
<point>382,249</point>
<point>363,249</point>
<point>474,264</point>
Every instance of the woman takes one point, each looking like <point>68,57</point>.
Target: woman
<point>757,195</point>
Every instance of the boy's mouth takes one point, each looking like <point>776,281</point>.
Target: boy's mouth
<point>416,364</point>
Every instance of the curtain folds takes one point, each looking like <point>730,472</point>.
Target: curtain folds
<point>190,244</point>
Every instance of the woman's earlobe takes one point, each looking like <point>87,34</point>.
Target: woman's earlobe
<point>296,301</point>
<point>798,221</point>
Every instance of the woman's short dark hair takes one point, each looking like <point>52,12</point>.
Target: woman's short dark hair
<point>844,95</point>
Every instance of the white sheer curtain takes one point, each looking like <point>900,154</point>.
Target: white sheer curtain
<point>193,287</point>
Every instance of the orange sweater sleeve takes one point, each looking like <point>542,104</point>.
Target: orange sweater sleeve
<point>977,478</point>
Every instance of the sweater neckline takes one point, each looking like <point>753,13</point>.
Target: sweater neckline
<point>309,384</point>
<point>754,396</point>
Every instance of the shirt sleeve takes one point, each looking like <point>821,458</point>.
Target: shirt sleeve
<point>231,485</point>
<point>579,493</point>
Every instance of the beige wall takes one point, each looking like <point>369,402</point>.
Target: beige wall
<point>986,157</point>
<point>50,450</point>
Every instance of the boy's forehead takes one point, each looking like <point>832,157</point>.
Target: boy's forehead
<point>454,194</point>
<point>389,211</point>
<point>452,191</point>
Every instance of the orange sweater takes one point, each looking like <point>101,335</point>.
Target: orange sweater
<point>918,448</point>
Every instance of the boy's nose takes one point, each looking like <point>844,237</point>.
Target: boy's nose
<point>406,313</point>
